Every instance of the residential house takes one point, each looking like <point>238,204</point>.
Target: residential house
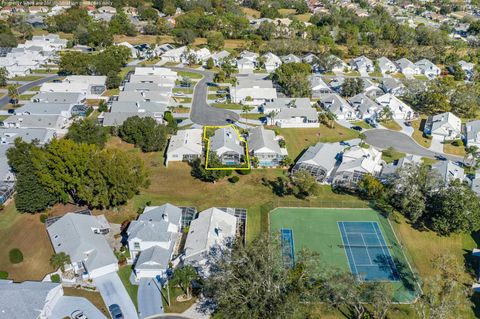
<point>427,68</point>
<point>55,122</point>
<point>157,71</point>
<point>153,238</point>
<point>475,184</point>
<point>174,55</point>
<point>356,163</point>
<point>400,110</point>
<point>371,89</point>
<point>444,126</point>
<point>65,110</point>
<point>392,86</point>
<point>162,49</point>
<point>247,62</point>
<point>265,147</point>
<point>278,104</point>
<point>318,86</point>
<point>200,56</point>
<point>449,171</point>
<point>185,146</point>
<point>407,67</point>
<point>365,107</point>
<point>90,86</point>
<point>362,64</point>
<point>291,58</point>
<point>320,160</point>
<point>389,170</point>
<point>386,66</point>
<point>210,234</point>
<point>41,300</point>
<point>297,117</point>
<point>252,90</point>
<point>472,133</point>
<point>335,104</point>
<point>82,237</point>
<point>339,65</point>
<point>220,57</point>
<point>272,62</point>
<point>54,97</point>
<point>227,145</point>
<point>468,68</point>
<point>47,42</point>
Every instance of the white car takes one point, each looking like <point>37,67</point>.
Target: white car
<point>221,100</point>
<point>178,94</point>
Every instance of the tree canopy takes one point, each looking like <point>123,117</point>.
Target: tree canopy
<point>145,133</point>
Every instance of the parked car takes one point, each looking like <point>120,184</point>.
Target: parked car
<point>78,314</point>
<point>440,157</point>
<point>11,111</point>
<point>222,92</point>
<point>407,123</point>
<point>357,128</point>
<point>178,94</point>
<point>221,100</point>
<point>115,311</point>
<point>371,122</point>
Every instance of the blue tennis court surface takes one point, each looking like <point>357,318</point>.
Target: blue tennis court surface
<point>367,252</point>
<point>288,251</point>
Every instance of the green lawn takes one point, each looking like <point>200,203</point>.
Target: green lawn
<point>183,90</point>
<point>27,78</point>
<point>391,125</point>
<point>191,75</point>
<point>124,274</point>
<point>26,96</point>
<point>390,155</point>
<point>421,77</point>
<point>111,92</point>
<point>418,126</point>
<point>252,116</point>
<point>362,124</point>
<point>35,89</point>
<point>449,148</point>
<point>298,139</point>
<point>215,96</point>
<point>45,71</point>
<point>316,229</point>
<point>175,306</point>
<point>353,73</point>
<point>183,99</point>
<point>231,106</point>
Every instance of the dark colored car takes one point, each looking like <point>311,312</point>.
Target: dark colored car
<point>440,157</point>
<point>11,111</point>
<point>115,311</point>
<point>408,123</point>
<point>357,128</point>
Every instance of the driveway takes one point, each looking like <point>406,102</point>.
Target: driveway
<point>24,88</point>
<point>66,305</point>
<point>149,298</point>
<point>113,292</point>
<point>202,113</point>
<point>383,139</point>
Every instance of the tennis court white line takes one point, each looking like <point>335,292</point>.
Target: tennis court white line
<point>366,249</point>
<point>340,224</point>
<point>393,267</point>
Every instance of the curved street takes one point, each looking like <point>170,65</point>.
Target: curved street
<point>401,142</point>
<point>24,88</point>
<point>202,113</point>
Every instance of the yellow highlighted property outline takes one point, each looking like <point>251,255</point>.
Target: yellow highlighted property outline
<point>233,168</point>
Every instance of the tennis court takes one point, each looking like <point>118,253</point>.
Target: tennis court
<point>377,256</point>
<point>367,252</point>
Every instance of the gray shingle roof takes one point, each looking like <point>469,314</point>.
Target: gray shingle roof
<point>322,154</point>
<point>227,139</point>
<point>153,224</point>
<point>259,138</point>
<point>61,97</point>
<point>154,257</point>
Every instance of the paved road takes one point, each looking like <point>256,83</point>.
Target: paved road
<point>385,138</point>
<point>113,292</point>
<point>149,298</point>
<point>24,88</point>
<point>202,113</point>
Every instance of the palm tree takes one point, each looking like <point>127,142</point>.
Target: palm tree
<point>472,153</point>
<point>386,114</point>
<point>246,109</point>
<point>183,277</point>
<point>13,93</point>
<point>59,260</point>
<point>272,115</point>
<point>332,118</point>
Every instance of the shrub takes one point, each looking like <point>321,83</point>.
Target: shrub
<point>244,171</point>
<point>43,218</point>
<point>234,179</point>
<point>55,278</point>
<point>3,274</point>
<point>16,256</point>
<point>457,143</point>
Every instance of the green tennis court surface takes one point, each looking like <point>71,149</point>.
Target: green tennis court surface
<point>317,229</point>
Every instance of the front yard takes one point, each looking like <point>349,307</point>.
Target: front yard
<point>418,126</point>
<point>124,274</point>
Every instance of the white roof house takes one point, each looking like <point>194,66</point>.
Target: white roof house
<point>400,110</point>
<point>386,66</point>
<point>319,160</point>
<point>186,145</point>
<point>356,162</point>
<point>337,105</point>
<point>362,64</point>
<point>472,133</point>
<point>220,57</point>
<point>427,68</point>
<point>152,239</point>
<point>247,62</point>
<point>339,64</point>
<point>48,42</point>
<point>29,108</point>
<point>272,62</point>
<point>81,237</point>
<point>211,232</point>
<point>297,117</point>
<point>365,107</point>
<point>263,145</point>
<point>174,55</point>
<point>281,103</point>
<point>55,122</point>
<point>318,86</point>
<point>53,97</point>
<point>393,86</point>
<point>407,67</point>
<point>201,55</point>
<point>449,171</point>
<point>468,67</point>
<point>444,126</point>
<point>90,86</point>
<point>252,90</point>
<point>157,71</point>
<point>226,143</point>
<point>291,58</point>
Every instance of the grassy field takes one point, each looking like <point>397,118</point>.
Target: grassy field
<point>111,92</point>
<point>362,124</point>
<point>26,96</point>
<point>191,75</point>
<point>27,78</point>
<point>392,125</point>
<point>454,150</point>
<point>124,274</point>
<point>298,139</point>
<point>230,106</point>
<point>286,12</point>
<point>183,90</point>
<point>94,297</point>
<point>251,12</point>
<point>317,230</point>
<point>27,233</point>
<point>45,71</point>
<point>390,155</point>
<point>303,17</point>
<point>418,132</point>
<point>35,89</point>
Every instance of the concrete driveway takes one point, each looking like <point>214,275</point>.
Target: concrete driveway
<point>24,88</point>
<point>383,139</point>
<point>202,113</point>
<point>149,298</point>
<point>66,305</point>
<point>113,292</point>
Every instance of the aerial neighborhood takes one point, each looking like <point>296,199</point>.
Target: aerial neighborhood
<point>239,159</point>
